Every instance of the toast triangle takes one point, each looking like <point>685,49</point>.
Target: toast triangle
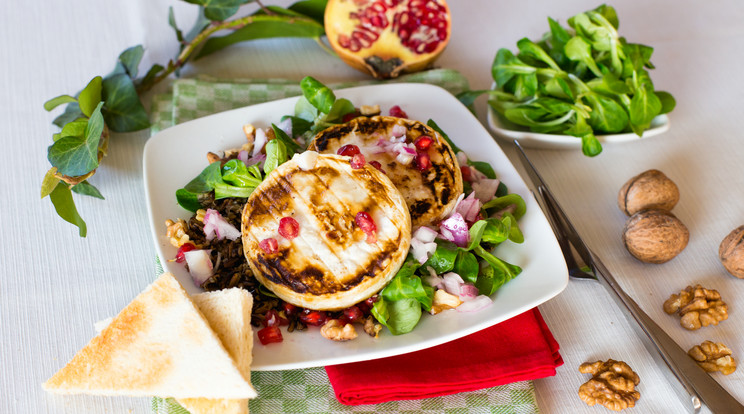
<point>228,312</point>
<point>159,344</point>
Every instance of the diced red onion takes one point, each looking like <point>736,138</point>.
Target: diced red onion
<point>467,292</point>
<point>425,234</point>
<point>455,229</point>
<point>259,141</point>
<point>475,304</point>
<point>452,283</point>
<point>421,250</point>
<point>485,189</point>
<point>469,207</point>
<point>243,156</point>
<point>216,225</point>
<point>258,159</point>
<point>286,126</point>
<point>200,265</point>
<point>399,130</point>
<point>433,279</point>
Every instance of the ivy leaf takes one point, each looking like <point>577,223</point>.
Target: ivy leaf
<point>86,188</point>
<point>90,96</point>
<point>74,155</point>
<point>219,10</point>
<point>150,75</point>
<point>63,203</point>
<point>74,129</point>
<point>131,58</point>
<point>172,23</point>
<point>123,110</point>
<point>49,182</point>
<point>57,101</point>
<point>71,113</point>
<point>264,27</point>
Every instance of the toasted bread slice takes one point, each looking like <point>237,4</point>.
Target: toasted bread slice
<point>161,345</point>
<point>430,194</point>
<point>330,264</point>
<point>228,312</point>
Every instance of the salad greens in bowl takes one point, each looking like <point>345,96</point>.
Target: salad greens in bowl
<point>581,82</point>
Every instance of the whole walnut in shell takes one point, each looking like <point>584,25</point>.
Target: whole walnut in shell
<point>655,236</point>
<point>648,190</point>
<point>731,252</point>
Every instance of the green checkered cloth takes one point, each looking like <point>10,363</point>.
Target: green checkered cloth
<point>308,390</point>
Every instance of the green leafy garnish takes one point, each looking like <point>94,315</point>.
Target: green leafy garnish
<point>233,179</point>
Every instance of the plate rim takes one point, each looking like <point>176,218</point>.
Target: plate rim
<point>539,220</point>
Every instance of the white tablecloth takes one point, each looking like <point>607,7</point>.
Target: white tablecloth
<point>53,284</point>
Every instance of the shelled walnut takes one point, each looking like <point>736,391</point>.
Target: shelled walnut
<point>612,385</point>
<point>697,307</point>
<point>713,357</point>
<point>335,331</point>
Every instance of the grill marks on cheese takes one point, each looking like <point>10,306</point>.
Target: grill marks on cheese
<point>330,255</point>
<point>431,194</point>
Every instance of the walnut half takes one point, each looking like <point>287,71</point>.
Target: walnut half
<point>612,384</point>
<point>698,307</point>
<point>713,357</point>
<point>335,331</point>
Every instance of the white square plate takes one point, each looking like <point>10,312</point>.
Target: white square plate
<point>176,155</point>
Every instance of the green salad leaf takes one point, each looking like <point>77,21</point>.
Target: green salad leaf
<point>233,179</point>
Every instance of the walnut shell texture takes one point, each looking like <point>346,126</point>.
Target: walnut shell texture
<point>731,252</point>
<point>655,236</point>
<point>648,190</point>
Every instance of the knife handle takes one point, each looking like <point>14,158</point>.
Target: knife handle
<point>694,383</point>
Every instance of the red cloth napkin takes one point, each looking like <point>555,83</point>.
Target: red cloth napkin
<point>521,348</point>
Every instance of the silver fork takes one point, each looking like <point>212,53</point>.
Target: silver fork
<point>691,382</point>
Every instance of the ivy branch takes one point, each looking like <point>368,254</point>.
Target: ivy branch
<point>112,103</point>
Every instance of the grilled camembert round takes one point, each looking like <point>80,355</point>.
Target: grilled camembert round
<point>331,263</point>
<point>430,190</point>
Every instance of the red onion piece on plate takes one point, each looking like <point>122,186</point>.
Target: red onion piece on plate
<point>200,265</point>
<point>455,229</point>
<point>216,225</point>
<point>478,303</point>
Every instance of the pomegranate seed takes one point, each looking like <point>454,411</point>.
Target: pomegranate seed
<point>186,247</point>
<point>270,334</point>
<point>423,161</point>
<point>397,112</point>
<point>289,228</point>
<point>273,318</point>
<point>423,142</point>
<point>467,175</point>
<point>314,318</point>
<point>290,309</point>
<point>351,115</point>
<point>269,245</point>
<point>348,150</point>
<point>357,161</point>
<point>377,165</point>
<point>365,222</point>
<point>352,314</point>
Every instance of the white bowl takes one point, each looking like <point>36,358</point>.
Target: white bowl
<point>531,139</point>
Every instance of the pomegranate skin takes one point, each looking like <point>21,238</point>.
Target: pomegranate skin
<point>386,38</point>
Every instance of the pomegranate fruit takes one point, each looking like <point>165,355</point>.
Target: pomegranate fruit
<point>388,37</point>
